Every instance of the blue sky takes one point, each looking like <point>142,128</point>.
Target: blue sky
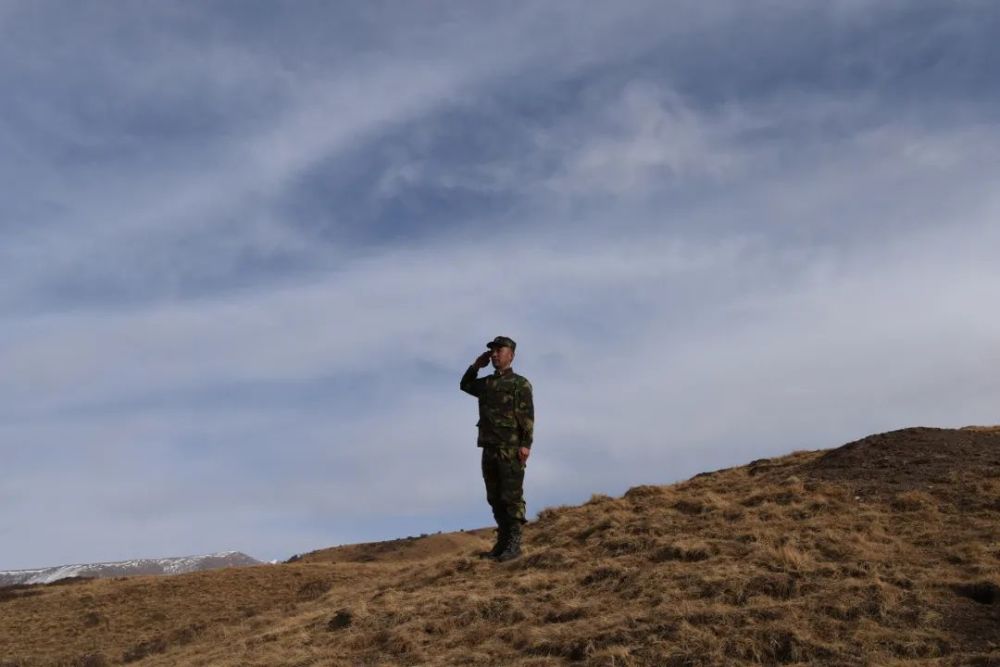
<point>248,248</point>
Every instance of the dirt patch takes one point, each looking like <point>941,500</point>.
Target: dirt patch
<point>974,617</point>
<point>983,592</point>
<point>888,464</point>
<point>342,619</point>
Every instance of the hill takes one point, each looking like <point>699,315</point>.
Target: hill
<point>127,568</point>
<point>885,551</point>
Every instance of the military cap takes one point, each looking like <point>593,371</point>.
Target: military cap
<point>502,341</point>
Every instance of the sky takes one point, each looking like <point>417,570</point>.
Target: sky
<point>247,250</point>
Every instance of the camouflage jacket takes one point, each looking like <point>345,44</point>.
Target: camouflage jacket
<point>506,409</point>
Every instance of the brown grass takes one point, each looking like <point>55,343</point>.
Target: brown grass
<point>794,560</point>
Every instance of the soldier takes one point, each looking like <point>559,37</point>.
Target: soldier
<point>506,426</point>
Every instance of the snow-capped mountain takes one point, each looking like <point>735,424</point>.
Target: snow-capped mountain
<point>125,568</point>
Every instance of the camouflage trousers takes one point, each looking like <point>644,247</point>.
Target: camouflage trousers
<point>504,477</point>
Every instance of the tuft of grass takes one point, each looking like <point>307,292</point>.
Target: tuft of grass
<point>913,501</point>
<point>690,551</point>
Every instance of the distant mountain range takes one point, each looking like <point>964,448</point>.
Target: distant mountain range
<point>126,568</point>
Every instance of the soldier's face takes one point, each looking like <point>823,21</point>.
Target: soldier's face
<point>502,358</point>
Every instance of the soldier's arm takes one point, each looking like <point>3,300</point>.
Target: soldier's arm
<point>470,383</point>
<point>524,413</point>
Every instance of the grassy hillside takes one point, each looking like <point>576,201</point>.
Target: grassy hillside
<point>885,551</point>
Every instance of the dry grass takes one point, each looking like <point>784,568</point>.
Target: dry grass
<point>785,561</point>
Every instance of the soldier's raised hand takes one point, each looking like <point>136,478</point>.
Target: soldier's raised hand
<point>483,360</point>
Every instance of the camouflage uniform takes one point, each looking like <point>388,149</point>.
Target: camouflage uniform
<point>506,423</point>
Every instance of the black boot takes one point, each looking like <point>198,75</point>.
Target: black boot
<point>501,543</point>
<point>512,548</point>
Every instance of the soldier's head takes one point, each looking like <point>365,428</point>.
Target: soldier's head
<point>502,352</point>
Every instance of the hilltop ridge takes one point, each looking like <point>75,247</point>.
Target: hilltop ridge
<point>883,551</point>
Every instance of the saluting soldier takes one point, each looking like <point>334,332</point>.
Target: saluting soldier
<point>506,427</point>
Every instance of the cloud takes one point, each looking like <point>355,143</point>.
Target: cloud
<point>654,136</point>
<point>802,360</point>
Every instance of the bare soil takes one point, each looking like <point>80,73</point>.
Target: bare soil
<point>885,551</point>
